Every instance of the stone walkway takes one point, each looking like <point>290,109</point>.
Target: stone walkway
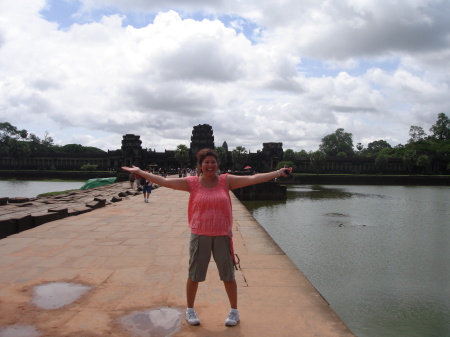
<point>134,256</point>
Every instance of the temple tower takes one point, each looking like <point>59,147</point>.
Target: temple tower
<point>202,137</point>
<point>131,149</point>
<point>271,154</point>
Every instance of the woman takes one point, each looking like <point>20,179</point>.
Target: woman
<point>210,219</point>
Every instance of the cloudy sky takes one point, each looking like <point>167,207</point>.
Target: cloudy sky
<point>291,71</point>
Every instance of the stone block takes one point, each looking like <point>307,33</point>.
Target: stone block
<point>102,201</point>
<point>7,227</point>
<point>116,199</point>
<point>18,200</point>
<point>23,222</point>
<point>96,204</point>
<point>26,204</point>
<point>79,210</point>
<point>41,218</point>
<point>3,201</point>
<point>62,211</point>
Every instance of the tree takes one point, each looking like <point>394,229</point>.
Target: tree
<point>289,155</point>
<point>182,154</point>
<point>381,162</point>
<point>7,132</point>
<point>302,153</point>
<point>339,141</point>
<point>18,150</point>
<point>359,148</point>
<point>441,130</point>
<point>416,133</point>
<point>78,148</point>
<point>286,163</point>
<point>72,148</point>
<point>318,160</point>
<point>92,149</point>
<point>41,145</point>
<point>423,162</point>
<point>222,154</point>
<point>408,160</point>
<point>375,147</point>
<point>239,156</point>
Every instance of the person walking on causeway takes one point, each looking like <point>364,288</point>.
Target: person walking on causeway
<point>210,219</point>
<point>146,188</point>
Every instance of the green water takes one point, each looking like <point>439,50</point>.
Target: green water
<point>380,255</point>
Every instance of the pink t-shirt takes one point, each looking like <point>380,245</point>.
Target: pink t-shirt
<point>209,210</point>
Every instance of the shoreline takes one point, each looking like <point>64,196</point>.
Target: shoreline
<point>357,179</point>
<point>20,213</point>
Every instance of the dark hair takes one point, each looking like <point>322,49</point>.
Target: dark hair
<point>203,153</point>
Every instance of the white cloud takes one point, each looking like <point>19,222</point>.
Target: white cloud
<point>98,79</point>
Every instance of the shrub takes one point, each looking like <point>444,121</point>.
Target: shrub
<point>286,163</point>
<point>89,167</point>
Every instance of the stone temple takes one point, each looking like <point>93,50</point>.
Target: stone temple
<point>132,153</point>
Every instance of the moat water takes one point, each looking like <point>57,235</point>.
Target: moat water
<point>380,255</point>
<point>31,189</point>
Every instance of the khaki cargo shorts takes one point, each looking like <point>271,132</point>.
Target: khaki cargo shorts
<point>200,249</point>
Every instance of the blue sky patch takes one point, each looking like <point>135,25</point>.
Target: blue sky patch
<point>317,68</point>
<point>62,12</point>
<point>66,12</point>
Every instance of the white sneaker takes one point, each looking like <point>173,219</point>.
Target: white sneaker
<point>191,317</point>
<point>233,318</point>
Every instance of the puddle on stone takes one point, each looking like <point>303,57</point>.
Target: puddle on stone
<point>58,294</point>
<point>160,322</point>
<point>19,331</point>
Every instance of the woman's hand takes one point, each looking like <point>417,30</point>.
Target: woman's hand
<point>285,172</point>
<point>133,169</point>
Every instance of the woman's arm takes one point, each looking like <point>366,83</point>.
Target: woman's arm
<point>175,183</point>
<point>242,181</point>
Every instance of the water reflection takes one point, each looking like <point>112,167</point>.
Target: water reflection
<point>19,330</point>
<point>57,294</point>
<point>318,192</point>
<point>160,322</point>
<point>378,254</point>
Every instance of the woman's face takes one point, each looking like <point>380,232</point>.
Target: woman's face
<point>209,165</point>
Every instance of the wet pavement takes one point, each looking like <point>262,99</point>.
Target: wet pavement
<point>55,295</point>
<point>121,271</point>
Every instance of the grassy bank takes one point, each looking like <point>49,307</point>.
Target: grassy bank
<point>55,193</point>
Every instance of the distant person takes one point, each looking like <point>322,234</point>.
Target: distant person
<point>132,178</point>
<point>146,188</point>
<point>210,219</point>
<point>138,181</point>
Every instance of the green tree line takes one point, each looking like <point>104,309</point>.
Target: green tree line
<point>19,144</point>
<point>420,151</point>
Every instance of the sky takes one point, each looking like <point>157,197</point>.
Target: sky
<point>291,71</point>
